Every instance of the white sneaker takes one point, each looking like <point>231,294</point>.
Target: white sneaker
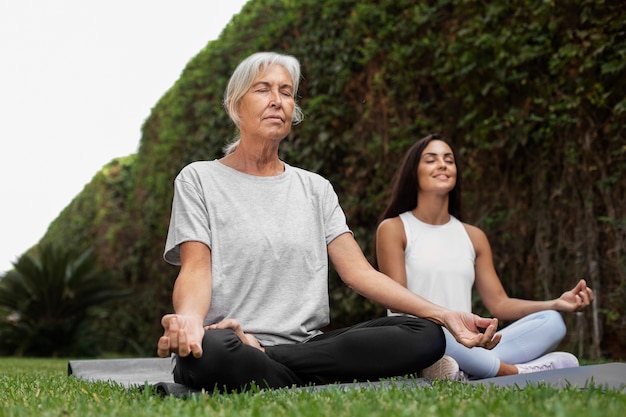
<point>444,368</point>
<point>554,360</point>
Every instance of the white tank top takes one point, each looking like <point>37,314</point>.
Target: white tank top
<point>439,262</point>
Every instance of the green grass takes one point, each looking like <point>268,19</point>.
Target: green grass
<point>40,387</point>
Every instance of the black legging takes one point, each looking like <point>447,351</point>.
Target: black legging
<point>379,348</point>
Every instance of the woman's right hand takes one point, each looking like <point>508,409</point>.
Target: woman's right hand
<point>182,334</point>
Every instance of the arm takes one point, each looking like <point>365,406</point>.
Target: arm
<point>357,273</point>
<point>497,301</point>
<point>390,246</point>
<point>183,331</point>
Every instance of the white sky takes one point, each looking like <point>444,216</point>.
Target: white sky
<point>77,80</point>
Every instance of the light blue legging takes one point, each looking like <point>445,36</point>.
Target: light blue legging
<point>522,341</point>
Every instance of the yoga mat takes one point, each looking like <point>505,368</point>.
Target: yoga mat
<point>158,373</point>
<point>127,372</point>
<point>608,375</point>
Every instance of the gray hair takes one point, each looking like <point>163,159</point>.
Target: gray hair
<point>243,77</point>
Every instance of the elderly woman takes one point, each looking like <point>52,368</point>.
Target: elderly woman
<point>253,236</point>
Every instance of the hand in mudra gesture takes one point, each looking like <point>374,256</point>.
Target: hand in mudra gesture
<point>183,335</point>
<point>465,327</point>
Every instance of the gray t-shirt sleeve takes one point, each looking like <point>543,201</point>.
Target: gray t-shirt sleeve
<point>189,220</point>
<point>334,217</point>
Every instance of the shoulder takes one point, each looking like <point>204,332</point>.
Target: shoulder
<point>311,181</point>
<point>474,231</point>
<point>194,169</point>
<point>390,234</point>
<point>309,176</point>
<point>477,236</point>
<point>391,227</point>
<point>393,223</point>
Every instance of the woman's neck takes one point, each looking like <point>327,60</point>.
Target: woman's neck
<point>261,161</point>
<point>432,209</point>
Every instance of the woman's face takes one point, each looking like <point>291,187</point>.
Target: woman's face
<point>266,109</point>
<point>436,171</point>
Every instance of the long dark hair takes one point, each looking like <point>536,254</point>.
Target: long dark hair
<point>404,190</point>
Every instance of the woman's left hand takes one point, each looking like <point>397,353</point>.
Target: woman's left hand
<point>575,299</point>
<point>465,327</point>
<point>234,325</point>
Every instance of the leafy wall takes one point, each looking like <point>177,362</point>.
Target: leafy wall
<point>532,93</point>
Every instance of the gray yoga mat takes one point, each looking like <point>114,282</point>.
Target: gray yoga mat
<point>157,372</point>
<point>127,372</point>
<point>607,375</point>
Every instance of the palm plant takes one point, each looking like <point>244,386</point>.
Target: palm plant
<point>47,299</point>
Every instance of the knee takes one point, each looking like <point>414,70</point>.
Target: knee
<point>200,372</point>
<point>425,328</point>
<point>438,339</point>
<point>429,338</point>
<point>555,322</point>
<point>435,333</point>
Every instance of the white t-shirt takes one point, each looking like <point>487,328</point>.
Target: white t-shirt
<point>439,262</point>
<point>268,238</point>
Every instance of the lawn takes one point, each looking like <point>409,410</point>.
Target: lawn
<point>41,387</point>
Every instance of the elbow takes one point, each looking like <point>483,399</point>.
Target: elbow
<point>357,280</point>
<point>500,313</point>
<point>351,282</point>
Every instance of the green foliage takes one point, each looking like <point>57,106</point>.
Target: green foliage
<point>532,93</point>
<point>46,299</point>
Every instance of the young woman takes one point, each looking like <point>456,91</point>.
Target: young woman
<point>422,244</point>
